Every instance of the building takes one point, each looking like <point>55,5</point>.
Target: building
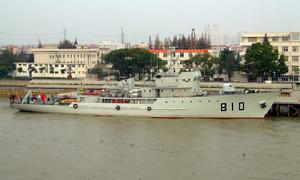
<point>59,63</point>
<point>51,70</point>
<point>287,43</point>
<point>175,57</point>
<point>143,45</point>
<point>113,45</point>
<point>89,57</point>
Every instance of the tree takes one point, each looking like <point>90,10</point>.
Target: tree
<point>228,63</point>
<point>4,71</point>
<point>206,64</point>
<point>262,61</point>
<point>189,42</point>
<point>281,66</point>
<point>166,43</point>
<point>40,44</point>
<point>75,43</point>
<point>208,42</point>
<point>131,62</point>
<point>7,59</point>
<point>184,42</point>
<point>201,43</point>
<point>66,44</point>
<point>157,42</point>
<point>150,43</point>
<point>99,70</point>
<point>30,58</point>
<point>175,42</point>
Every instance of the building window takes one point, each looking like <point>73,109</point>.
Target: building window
<point>190,55</point>
<point>173,54</point>
<point>295,69</point>
<point>285,38</point>
<point>62,65</point>
<point>56,65</point>
<point>285,48</point>
<point>285,78</point>
<point>181,54</point>
<point>286,58</point>
<point>63,56</point>
<point>295,48</point>
<point>252,39</point>
<point>295,37</point>
<point>165,54</point>
<point>275,39</point>
<point>295,58</point>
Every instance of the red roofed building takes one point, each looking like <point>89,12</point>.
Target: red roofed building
<point>175,58</point>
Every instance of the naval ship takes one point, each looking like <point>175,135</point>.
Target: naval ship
<point>169,97</point>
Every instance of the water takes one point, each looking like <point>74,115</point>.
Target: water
<point>52,146</point>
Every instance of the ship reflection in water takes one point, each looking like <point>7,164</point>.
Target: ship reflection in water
<point>52,146</point>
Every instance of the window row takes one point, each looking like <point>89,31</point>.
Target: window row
<point>72,56</point>
<point>180,54</point>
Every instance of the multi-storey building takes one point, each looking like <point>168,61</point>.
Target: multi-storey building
<point>51,62</point>
<point>175,57</point>
<point>51,70</point>
<point>113,45</point>
<point>287,43</point>
<point>89,57</point>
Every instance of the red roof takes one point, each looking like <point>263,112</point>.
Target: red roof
<point>179,50</point>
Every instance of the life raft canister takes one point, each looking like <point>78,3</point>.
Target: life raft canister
<point>149,108</point>
<point>118,107</point>
<point>75,106</point>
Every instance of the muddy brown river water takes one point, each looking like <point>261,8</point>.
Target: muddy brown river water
<point>55,146</point>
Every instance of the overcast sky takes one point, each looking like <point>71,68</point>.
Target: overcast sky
<point>91,21</point>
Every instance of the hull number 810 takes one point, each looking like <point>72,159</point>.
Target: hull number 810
<point>232,106</point>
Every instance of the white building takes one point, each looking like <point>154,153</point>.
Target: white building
<point>89,57</point>
<point>175,58</point>
<point>287,43</point>
<point>51,70</point>
<point>113,45</point>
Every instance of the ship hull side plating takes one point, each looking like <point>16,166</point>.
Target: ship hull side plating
<point>225,106</point>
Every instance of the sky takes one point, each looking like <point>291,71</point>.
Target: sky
<point>92,21</point>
